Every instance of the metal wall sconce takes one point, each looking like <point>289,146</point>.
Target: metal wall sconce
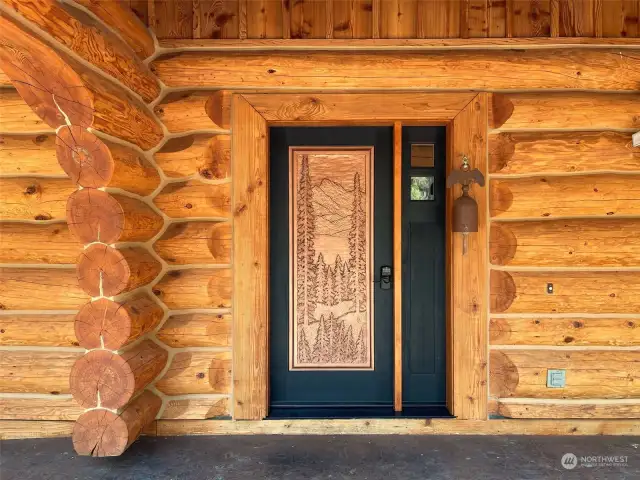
<point>465,208</point>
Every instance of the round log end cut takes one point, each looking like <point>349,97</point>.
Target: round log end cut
<point>84,157</point>
<point>104,319</point>
<point>102,271</point>
<point>104,374</point>
<point>100,433</point>
<point>95,216</point>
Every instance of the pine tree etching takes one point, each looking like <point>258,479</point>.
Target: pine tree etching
<point>306,274</point>
<point>358,249</point>
<point>322,285</point>
<point>331,320</point>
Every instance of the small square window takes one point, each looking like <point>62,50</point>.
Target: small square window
<point>422,155</point>
<point>422,188</point>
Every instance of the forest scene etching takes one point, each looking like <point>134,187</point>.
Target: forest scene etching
<point>331,324</point>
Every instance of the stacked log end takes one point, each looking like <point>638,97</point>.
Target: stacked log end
<point>110,379</point>
<point>105,202</point>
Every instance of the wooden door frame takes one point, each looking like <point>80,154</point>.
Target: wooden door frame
<point>465,114</point>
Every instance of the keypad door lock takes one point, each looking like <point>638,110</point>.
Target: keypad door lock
<point>385,277</point>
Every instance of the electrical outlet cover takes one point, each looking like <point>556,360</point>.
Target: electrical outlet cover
<point>556,378</point>
<point>636,139</point>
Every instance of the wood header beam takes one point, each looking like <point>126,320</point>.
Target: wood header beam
<point>357,108</point>
<point>597,69</point>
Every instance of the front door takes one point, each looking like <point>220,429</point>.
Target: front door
<point>331,327</point>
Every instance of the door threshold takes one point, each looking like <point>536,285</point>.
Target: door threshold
<point>359,411</point>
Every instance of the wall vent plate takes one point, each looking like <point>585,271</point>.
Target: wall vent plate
<point>556,378</point>
<point>636,139</point>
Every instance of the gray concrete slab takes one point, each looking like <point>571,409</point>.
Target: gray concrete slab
<point>326,457</point>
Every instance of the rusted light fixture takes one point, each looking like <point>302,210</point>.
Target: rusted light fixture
<point>465,208</point>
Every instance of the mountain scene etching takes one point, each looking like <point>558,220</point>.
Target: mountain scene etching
<point>331,322</point>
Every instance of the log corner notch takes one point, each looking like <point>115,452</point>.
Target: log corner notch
<point>183,112</point>
<point>56,86</point>
<point>102,433</point>
<point>74,29</point>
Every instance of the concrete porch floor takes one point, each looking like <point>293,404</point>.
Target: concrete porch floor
<point>323,457</point>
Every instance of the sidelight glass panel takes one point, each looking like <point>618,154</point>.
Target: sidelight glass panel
<point>422,188</point>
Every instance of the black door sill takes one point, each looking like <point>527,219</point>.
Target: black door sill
<point>359,411</point>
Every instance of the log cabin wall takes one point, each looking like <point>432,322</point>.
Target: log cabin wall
<point>564,265</point>
<point>562,195</point>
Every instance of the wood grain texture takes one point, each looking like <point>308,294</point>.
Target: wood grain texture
<point>90,162</point>
<point>29,64</point>
<point>32,371</point>
<point>468,317</point>
<point>15,429</point>
<point>556,110</point>
<point>196,243</point>
<point>101,433</point>
<point>28,154</point>
<point>204,155</point>
<point>104,270</point>
<point>104,323</point>
<point>565,243</point>
<point>352,19</point>
<point>439,19</point>
<point>397,261</point>
<point>44,330</point>
<point>115,378</point>
<point>121,18</point>
<point>619,332</point>
<point>251,262</point>
<point>196,330</point>
<point>263,19</point>
<point>574,292</point>
<point>94,215</point>
<point>215,19</point>
<point>86,97</point>
<point>602,69</point>
<point>54,407</point>
<point>559,152</point>
<point>195,199</point>
<point>604,194</point>
<point>37,244</point>
<point>196,408</point>
<point>530,18</point>
<point>80,33</point>
<point>377,43</point>
<point>589,374</point>
<point>185,111</point>
<point>55,289</point>
<point>196,288</point>
<point>434,426</point>
<point>280,108</point>
<point>197,372</point>
<point>577,18</point>
<point>584,409</point>
<point>32,198</point>
<point>620,18</point>
<point>16,116</point>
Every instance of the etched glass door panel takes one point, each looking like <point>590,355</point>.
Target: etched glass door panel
<point>331,242</point>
